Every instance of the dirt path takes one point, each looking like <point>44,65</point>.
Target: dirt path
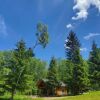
<point>48,98</point>
<point>53,98</point>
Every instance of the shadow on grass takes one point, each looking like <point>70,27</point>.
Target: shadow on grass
<point>4,99</point>
<point>14,99</point>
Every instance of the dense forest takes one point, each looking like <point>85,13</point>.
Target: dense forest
<point>20,69</point>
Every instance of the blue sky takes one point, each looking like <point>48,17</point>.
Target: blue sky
<point>18,20</point>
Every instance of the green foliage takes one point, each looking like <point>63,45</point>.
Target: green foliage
<point>52,76</point>
<point>18,77</point>
<point>94,63</point>
<point>65,70</point>
<point>61,69</point>
<point>42,35</point>
<point>3,70</point>
<point>69,75</point>
<point>1,73</point>
<point>80,79</point>
<point>38,71</point>
<point>78,82</point>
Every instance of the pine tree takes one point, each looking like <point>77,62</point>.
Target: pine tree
<point>79,79</point>
<point>52,76</point>
<point>71,45</point>
<point>18,77</point>
<point>94,63</point>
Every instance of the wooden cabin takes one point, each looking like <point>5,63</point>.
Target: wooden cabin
<point>60,90</point>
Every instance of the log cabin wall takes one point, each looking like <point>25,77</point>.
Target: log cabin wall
<point>61,91</point>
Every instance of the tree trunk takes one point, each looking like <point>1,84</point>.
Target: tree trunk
<point>12,95</point>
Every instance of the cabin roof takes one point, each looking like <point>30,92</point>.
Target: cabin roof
<point>45,80</point>
<point>61,84</point>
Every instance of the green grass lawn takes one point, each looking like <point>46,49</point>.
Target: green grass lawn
<point>18,97</point>
<point>87,96</point>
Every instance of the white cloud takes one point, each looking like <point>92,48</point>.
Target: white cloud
<point>83,49</point>
<point>3,28</point>
<point>82,6</point>
<point>91,35</point>
<point>69,26</point>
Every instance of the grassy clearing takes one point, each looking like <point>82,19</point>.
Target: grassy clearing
<point>18,97</point>
<point>87,96</point>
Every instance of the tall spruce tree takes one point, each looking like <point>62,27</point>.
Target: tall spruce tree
<point>71,45</point>
<point>94,63</point>
<point>52,76</point>
<point>18,77</point>
<point>79,79</point>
